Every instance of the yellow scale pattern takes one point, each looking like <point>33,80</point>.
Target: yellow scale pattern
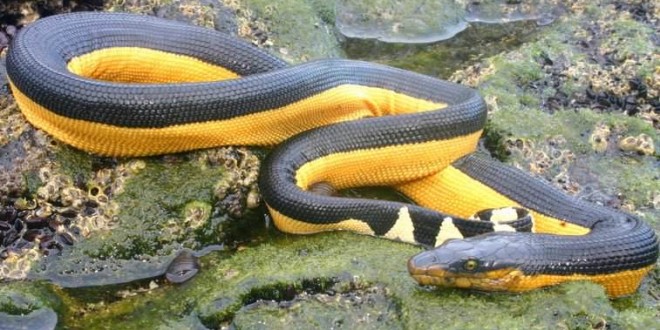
<point>512,280</point>
<point>435,183</point>
<point>454,192</point>
<point>267,128</point>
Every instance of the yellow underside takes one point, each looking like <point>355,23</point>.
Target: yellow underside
<point>421,171</point>
<point>375,167</point>
<point>293,226</point>
<point>616,284</point>
<point>385,166</point>
<point>434,184</point>
<point>452,191</point>
<point>136,65</point>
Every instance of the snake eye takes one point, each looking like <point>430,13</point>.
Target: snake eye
<point>470,265</point>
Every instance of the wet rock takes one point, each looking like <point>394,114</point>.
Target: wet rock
<point>427,22</point>
<point>117,213</point>
<point>41,319</point>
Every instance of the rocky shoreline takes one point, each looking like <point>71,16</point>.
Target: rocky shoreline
<point>89,239</point>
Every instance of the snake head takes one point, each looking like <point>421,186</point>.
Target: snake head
<point>489,262</point>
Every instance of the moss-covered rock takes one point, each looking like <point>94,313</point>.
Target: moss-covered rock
<point>572,102</point>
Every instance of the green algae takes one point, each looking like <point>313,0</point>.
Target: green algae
<point>245,287</point>
<point>21,298</point>
<point>154,203</point>
<point>164,207</point>
<point>299,29</point>
<point>325,10</point>
<point>73,163</point>
<point>630,39</point>
<point>365,310</point>
<point>574,126</point>
<point>267,282</point>
<point>32,306</point>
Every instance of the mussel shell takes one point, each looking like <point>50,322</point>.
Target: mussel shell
<point>183,267</point>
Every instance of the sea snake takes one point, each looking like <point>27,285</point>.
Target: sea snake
<point>129,85</point>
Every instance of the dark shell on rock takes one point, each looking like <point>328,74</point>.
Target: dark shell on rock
<point>8,214</point>
<point>182,268</point>
<point>36,223</point>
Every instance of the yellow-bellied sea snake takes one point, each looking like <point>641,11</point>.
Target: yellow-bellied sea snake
<point>128,85</point>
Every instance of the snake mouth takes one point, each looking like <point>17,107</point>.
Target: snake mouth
<point>500,280</point>
<point>435,273</point>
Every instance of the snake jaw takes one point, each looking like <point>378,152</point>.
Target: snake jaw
<point>464,264</point>
<point>504,279</point>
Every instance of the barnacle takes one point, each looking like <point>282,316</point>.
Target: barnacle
<point>17,265</point>
<point>253,198</point>
<point>25,204</point>
<point>642,144</point>
<point>599,137</point>
<point>11,184</point>
<point>237,188</point>
<point>196,214</point>
<point>59,214</point>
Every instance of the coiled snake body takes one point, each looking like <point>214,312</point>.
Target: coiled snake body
<point>127,85</point>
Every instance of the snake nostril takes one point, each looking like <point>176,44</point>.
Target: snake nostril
<point>422,260</point>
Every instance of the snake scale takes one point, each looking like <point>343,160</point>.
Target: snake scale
<point>128,85</point>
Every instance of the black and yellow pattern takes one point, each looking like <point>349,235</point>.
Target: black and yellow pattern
<point>126,85</point>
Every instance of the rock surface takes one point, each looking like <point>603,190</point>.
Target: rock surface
<point>574,102</point>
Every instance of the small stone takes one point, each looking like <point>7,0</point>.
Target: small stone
<point>4,40</point>
<point>10,30</point>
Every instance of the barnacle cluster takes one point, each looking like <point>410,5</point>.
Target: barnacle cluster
<point>194,11</point>
<point>619,74</point>
<point>17,264</point>
<point>474,75</point>
<point>21,155</point>
<point>19,12</point>
<point>249,25</point>
<point>60,213</point>
<point>237,189</point>
<point>12,124</point>
<point>609,65</point>
<point>549,158</point>
<point>196,214</point>
<point>12,184</point>
<point>641,144</point>
<point>603,134</point>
